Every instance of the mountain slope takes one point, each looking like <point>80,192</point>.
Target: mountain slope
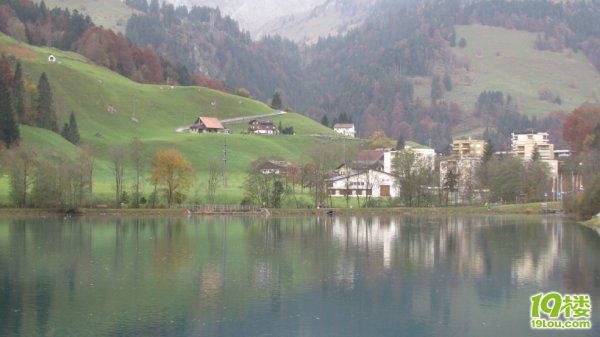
<point>111,14</point>
<point>254,14</point>
<point>505,60</point>
<point>331,18</point>
<point>112,109</point>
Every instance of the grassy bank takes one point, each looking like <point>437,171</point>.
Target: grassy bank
<point>523,209</point>
<point>593,222</point>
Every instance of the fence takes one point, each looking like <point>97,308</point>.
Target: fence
<point>220,208</point>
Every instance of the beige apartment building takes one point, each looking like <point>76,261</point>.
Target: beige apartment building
<point>468,148</point>
<point>524,145</point>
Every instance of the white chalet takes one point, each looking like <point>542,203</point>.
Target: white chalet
<point>346,129</point>
<point>369,183</point>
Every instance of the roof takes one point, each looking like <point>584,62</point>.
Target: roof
<point>370,156</point>
<point>210,122</point>
<point>260,121</point>
<point>279,162</point>
<point>343,126</point>
<point>354,174</point>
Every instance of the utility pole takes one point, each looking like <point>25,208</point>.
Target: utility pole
<point>224,169</point>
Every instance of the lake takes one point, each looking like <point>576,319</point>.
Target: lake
<point>345,276</point>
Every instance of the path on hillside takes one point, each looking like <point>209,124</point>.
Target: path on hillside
<point>239,120</point>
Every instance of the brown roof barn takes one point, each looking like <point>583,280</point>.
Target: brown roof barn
<point>207,124</point>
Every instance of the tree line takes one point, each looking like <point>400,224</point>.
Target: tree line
<point>38,25</point>
<point>47,179</point>
<point>24,103</point>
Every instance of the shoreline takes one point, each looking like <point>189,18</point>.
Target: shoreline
<point>593,223</point>
<point>516,209</point>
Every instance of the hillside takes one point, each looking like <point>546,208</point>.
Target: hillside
<point>111,110</point>
<point>331,18</point>
<point>506,60</point>
<point>254,14</point>
<point>111,14</point>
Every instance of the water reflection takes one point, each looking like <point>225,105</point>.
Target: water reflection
<point>396,276</point>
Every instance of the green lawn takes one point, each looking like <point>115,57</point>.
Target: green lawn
<point>505,60</point>
<point>111,110</point>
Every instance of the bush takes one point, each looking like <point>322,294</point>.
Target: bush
<point>590,205</point>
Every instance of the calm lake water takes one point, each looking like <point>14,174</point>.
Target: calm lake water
<point>375,276</point>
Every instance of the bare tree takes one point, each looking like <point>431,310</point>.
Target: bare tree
<point>138,160</point>
<point>414,175</point>
<point>117,156</point>
<point>450,181</point>
<point>21,162</point>
<point>86,173</point>
<point>322,159</point>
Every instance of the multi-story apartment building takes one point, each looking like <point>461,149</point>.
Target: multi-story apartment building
<point>468,148</point>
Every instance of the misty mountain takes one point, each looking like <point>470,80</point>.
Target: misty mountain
<point>333,17</point>
<point>254,14</point>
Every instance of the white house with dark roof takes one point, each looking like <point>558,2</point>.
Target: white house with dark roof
<point>346,129</point>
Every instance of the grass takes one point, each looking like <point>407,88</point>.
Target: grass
<point>592,223</point>
<point>111,14</point>
<point>112,109</point>
<point>506,60</point>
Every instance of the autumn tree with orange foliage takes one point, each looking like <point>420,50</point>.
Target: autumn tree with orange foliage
<point>579,127</point>
<point>174,171</point>
<point>582,130</point>
<point>379,140</point>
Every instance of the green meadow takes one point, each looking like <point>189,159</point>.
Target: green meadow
<point>506,60</point>
<point>112,109</point>
<point>111,14</point>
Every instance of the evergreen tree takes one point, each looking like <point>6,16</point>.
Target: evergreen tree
<point>325,121</point>
<point>73,129</point>
<point>46,117</point>
<point>344,118</point>
<point>436,89</point>
<point>401,143</point>
<point>536,154</point>
<point>448,82</point>
<point>276,102</point>
<point>488,151</point>
<point>462,43</point>
<point>9,130</point>
<point>596,142</point>
<point>65,131</point>
<point>70,130</point>
<point>154,8</point>
<point>19,93</point>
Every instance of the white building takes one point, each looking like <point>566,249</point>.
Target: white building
<point>525,144</point>
<point>464,173</point>
<point>346,129</point>
<point>371,183</point>
<point>424,157</point>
